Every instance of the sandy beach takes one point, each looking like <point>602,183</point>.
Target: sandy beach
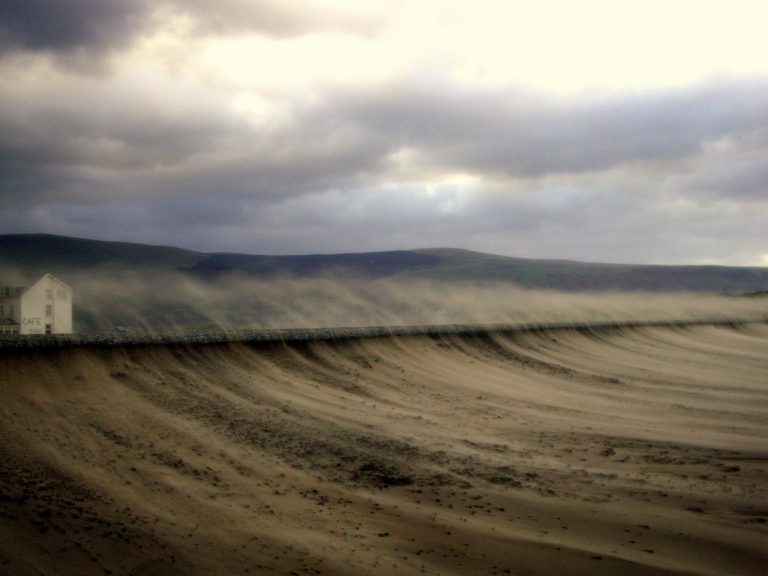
<point>635,450</point>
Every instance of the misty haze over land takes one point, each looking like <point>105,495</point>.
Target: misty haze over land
<point>142,287</point>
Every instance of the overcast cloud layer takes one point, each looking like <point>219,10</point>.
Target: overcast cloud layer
<point>603,133</point>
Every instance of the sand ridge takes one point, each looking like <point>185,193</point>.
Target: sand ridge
<point>634,450</point>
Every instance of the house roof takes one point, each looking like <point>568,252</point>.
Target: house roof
<point>21,279</point>
<point>26,281</point>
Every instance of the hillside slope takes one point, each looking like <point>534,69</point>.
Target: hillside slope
<point>573,275</point>
<point>61,255</point>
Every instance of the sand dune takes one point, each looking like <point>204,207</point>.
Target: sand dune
<point>615,451</point>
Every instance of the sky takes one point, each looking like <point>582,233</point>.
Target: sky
<point>597,130</point>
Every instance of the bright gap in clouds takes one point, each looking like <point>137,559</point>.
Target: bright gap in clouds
<point>553,46</point>
<point>568,47</point>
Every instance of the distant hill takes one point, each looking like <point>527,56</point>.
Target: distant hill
<point>58,255</point>
<point>363,264</point>
<point>31,253</point>
<point>585,276</point>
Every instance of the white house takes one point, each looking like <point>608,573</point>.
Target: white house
<point>39,304</point>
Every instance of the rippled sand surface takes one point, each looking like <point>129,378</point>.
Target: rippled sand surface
<point>614,451</point>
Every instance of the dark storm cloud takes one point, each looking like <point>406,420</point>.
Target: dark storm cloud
<point>95,27</point>
<point>66,25</point>
<point>512,133</point>
<point>133,140</point>
<point>733,168</point>
<point>113,138</point>
<point>350,137</point>
<point>179,166</point>
<point>613,224</point>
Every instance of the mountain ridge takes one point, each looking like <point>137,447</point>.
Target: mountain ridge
<point>63,254</point>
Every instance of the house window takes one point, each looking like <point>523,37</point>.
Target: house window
<point>61,294</point>
<point>48,310</point>
<point>48,329</point>
<point>2,310</point>
<point>49,294</point>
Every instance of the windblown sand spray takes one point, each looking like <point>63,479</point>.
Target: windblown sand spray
<point>175,301</point>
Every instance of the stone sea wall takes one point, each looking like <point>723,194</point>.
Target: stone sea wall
<point>206,337</point>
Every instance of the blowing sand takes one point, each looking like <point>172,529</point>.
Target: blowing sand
<point>615,451</point>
